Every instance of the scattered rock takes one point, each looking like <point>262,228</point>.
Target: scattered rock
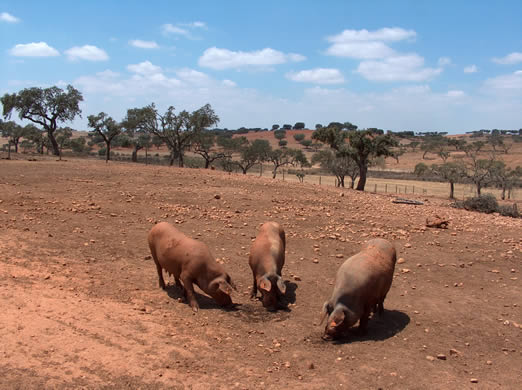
<point>217,196</point>
<point>401,260</point>
<point>407,245</point>
<point>441,356</point>
<point>430,358</point>
<point>473,380</point>
<point>437,222</point>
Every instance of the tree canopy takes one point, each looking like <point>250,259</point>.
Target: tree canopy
<point>44,106</point>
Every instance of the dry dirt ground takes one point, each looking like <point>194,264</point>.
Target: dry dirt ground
<point>81,306</point>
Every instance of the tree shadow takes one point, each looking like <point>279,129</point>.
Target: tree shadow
<point>379,328</point>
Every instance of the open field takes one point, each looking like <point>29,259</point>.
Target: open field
<point>81,306</point>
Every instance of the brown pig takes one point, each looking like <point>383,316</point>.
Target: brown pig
<point>361,285</point>
<point>267,257</point>
<point>191,262</point>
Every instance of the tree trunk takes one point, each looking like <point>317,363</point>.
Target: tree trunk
<point>180,160</point>
<point>134,157</point>
<point>108,152</point>
<point>452,190</point>
<point>9,150</point>
<point>479,187</point>
<point>56,149</point>
<point>503,196</point>
<point>171,161</point>
<point>244,170</point>
<point>341,181</point>
<point>146,156</point>
<point>15,143</point>
<point>363,170</point>
<point>207,163</point>
<point>274,173</point>
<point>352,183</point>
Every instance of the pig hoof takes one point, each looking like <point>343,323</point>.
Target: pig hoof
<point>195,309</point>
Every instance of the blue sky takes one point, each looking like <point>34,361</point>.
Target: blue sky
<point>402,65</point>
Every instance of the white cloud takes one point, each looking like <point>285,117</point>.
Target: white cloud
<point>384,34</point>
<point>109,74</point>
<point>471,69</point>
<point>364,44</point>
<point>171,29</point>
<point>192,76</point>
<point>361,50</point>
<point>86,52</point>
<point>144,68</point>
<point>512,58</point>
<point>196,24</point>
<point>7,17</point>
<point>317,76</point>
<point>508,83</point>
<point>34,49</point>
<point>408,67</point>
<point>443,61</point>
<point>229,83</point>
<point>220,59</point>
<point>455,93</point>
<point>143,44</point>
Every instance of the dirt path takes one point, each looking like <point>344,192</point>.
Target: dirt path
<point>81,306</point>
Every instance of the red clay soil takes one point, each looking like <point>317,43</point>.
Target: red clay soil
<point>81,306</point>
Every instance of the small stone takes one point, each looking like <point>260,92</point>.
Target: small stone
<point>441,356</point>
<point>315,261</point>
<point>339,255</point>
<point>311,366</point>
<point>430,358</point>
<point>297,278</point>
<point>401,260</point>
<point>407,245</point>
<point>217,196</point>
<point>473,380</point>
<point>405,270</point>
<point>489,362</point>
<point>454,352</point>
<point>147,257</point>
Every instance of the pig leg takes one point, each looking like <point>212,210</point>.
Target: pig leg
<point>254,287</point>
<point>381,308</point>
<point>160,276</point>
<point>178,283</point>
<point>189,292</point>
<point>363,323</point>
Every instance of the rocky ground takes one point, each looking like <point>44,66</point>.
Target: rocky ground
<point>81,306</point>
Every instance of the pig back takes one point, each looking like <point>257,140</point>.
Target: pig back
<point>267,253</point>
<point>174,250</point>
<point>364,279</point>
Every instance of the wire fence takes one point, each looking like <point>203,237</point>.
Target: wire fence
<point>394,186</point>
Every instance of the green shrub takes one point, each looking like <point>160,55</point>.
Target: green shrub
<point>486,203</point>
<point>509,211</point>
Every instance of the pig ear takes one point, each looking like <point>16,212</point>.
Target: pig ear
<point>336,318</point>
<point>229,281</point>
<point>281,285</point>
<point>225,287</point>
<point>264,284</point>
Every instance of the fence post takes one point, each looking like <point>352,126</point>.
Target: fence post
<point>375,189</point>
<point>414,189</point>
<point>283,174</point>
<point>319,180</point>
<point>386,188</point>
